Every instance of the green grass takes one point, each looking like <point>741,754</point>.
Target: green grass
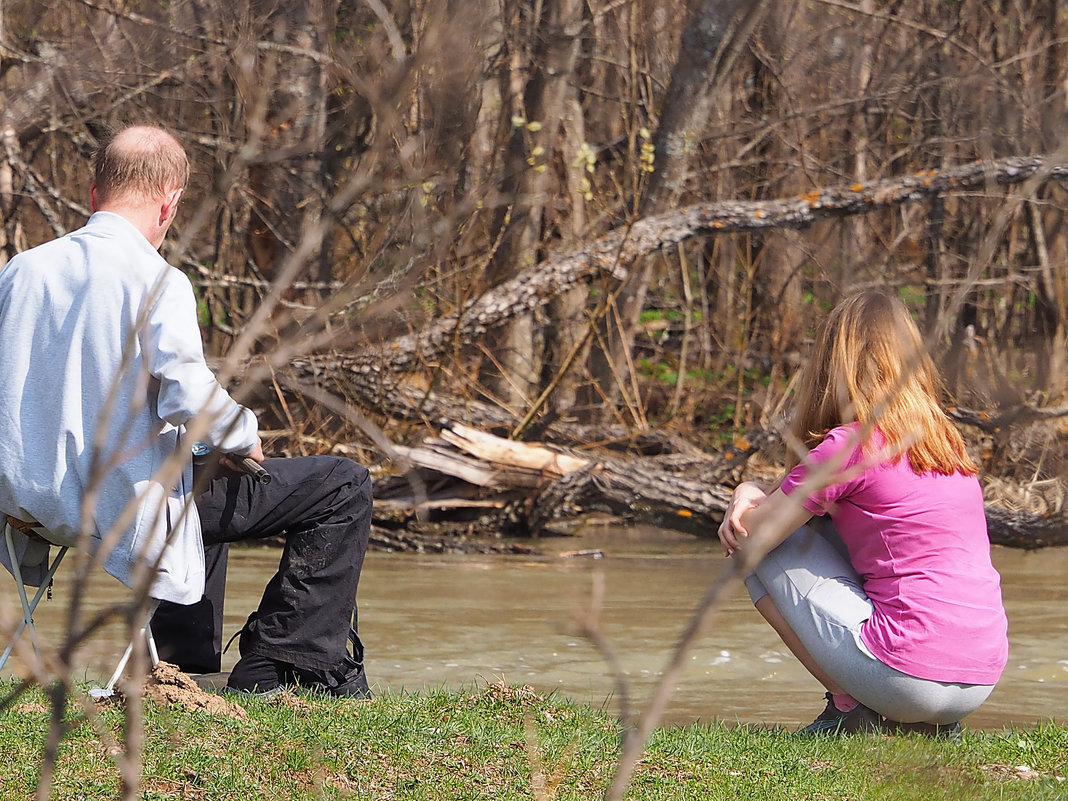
<point>508,743</point>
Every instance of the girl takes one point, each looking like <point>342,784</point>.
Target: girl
<point>894,606</point>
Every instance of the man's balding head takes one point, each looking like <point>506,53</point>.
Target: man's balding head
<point>142,160</point>
<point>140,173</point>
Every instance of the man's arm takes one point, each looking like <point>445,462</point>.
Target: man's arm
<point>174,354</point>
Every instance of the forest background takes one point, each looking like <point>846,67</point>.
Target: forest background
<point>607,225</point>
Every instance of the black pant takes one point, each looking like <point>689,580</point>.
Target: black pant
<point>321,506</point>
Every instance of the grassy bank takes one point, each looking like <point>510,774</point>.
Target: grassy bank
<point>505,742</point>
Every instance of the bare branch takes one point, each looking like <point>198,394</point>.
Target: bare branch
<point>615,252</point>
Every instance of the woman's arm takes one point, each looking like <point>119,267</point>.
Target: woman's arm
<point>754,512</point>
<point>746,496</point>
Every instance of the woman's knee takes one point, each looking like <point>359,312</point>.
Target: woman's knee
<point>755,587</point>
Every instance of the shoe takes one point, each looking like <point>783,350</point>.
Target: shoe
<point>348,680</point>
<point>832,720</point>
<point>947,731</point>
<point>263,677</point>
<point>259,676</point>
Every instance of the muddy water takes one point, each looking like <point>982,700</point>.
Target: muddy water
<point>464,621</point>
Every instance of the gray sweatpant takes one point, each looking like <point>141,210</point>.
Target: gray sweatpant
<point>812,583</point>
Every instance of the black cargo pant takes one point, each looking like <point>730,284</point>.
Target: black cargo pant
<point>321,506</point>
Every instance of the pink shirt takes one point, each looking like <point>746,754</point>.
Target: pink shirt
<point>921,546</point>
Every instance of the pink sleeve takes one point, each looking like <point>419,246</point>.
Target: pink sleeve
<point>831,448</point>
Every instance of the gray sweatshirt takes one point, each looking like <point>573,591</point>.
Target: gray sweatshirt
<point>101,369</point>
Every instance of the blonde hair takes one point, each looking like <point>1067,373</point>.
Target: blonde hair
<point>869,365</point>
<point>143,159</point>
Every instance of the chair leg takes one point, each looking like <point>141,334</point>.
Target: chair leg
<point>144,631</point>
<point>28,606</point>
<point>150,641</point>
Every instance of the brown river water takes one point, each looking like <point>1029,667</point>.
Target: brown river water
<point>463,621</point>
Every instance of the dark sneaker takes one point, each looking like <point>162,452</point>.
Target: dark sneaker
<point>861,720</point>
<point>258,676</point>
<point>832,720</point>
<point>348,680</point>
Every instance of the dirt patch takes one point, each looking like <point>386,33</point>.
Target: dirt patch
<point>293,702</point>
<point>1022,772</point>
<point>168,685</point>
<point>33,708</point>
<point>511,693</point>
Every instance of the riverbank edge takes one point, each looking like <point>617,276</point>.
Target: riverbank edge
<point>503,741</point>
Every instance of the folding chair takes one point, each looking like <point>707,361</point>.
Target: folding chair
<point>35,531</point>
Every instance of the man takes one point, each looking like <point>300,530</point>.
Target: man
<point>101,370</point>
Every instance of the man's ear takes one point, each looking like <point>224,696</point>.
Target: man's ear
<point>169,207</point>
<point>94,204</point>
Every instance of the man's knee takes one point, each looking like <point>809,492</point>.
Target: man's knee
<point>350,484</point>
<point>332,472</point>
<point>358,475</point>
<point>355,478</point>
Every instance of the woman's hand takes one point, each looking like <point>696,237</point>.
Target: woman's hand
<point>747,495</point>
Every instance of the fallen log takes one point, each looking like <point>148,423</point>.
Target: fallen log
<point>613,488</point>
<point>1025,530</point>
<point>544,483</point>
<point>553,482</point>
<point>609,490</point>
<point>1002,420</point>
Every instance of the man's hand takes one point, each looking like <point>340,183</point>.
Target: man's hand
<point>257,452</point>
<point>255,455</point>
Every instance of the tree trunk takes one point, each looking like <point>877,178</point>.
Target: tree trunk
<point>290,202</point>
<point>568,340</point>
<point>534,146</point>
<point>711,40</point>
<point>1052,290</point>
